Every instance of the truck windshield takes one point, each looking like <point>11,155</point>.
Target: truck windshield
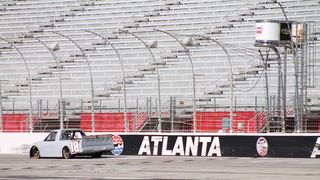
<point>51,136</point>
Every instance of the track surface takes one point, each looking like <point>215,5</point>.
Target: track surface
<point>158,167</point>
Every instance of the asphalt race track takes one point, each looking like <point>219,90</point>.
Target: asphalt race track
<point>158,167</point>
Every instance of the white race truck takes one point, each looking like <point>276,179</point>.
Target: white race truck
<point>67,143</point>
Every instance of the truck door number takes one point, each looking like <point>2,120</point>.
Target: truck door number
<point>75,146</point>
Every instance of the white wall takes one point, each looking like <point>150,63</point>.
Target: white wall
<point>18,143</point>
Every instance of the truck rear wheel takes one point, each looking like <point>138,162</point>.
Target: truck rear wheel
<point>66,153</point>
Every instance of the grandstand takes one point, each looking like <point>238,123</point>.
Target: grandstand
<point>156,65</point>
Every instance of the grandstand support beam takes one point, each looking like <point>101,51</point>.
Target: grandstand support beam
<point>230,76</point>
<point>29,81</point>
<point>295,61</point>
<point>91,77</point>
<point>126,124</point>
<point>193,78</point>
<point>158,79</point>
<point>60,81</point>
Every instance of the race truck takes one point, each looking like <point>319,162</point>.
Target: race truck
<point>68,143</point>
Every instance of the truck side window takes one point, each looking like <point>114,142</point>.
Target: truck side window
<point>66,135</point>
<point>51,136</point>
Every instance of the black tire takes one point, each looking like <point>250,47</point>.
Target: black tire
<point>97,155</point>
<point>66,153</point>
<point>35,153</point>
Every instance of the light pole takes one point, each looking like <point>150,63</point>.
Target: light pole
<point>280,86</point>
<point>193,78</point>
<point>91,77</point>
<point>29,81</point>
<point>267,89</point>
<point>126,124</point>
<point>158,78</point>
<point>60,83</point>
<point>230,76</point>
<point>295,61</point>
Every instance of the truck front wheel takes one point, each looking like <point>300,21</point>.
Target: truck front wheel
<point>35,153</point>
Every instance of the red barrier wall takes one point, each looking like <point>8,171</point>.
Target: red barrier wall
<point>212,121</point>
<point>105,122</point>
<point>15,122</point>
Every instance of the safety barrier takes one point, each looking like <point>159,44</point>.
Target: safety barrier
<point>187,144</point>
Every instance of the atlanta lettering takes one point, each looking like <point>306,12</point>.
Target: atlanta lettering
<point>316,150</point>
<point>183,146</point>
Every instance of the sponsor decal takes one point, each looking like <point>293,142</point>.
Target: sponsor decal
<point>285,31</point>
<point>183,146</point>
<point>118,145</point>
<point>262,146</point>
<point>316,150</point>
<point>259,29</point>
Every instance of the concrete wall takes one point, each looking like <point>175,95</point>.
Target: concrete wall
<point>184,144</point>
